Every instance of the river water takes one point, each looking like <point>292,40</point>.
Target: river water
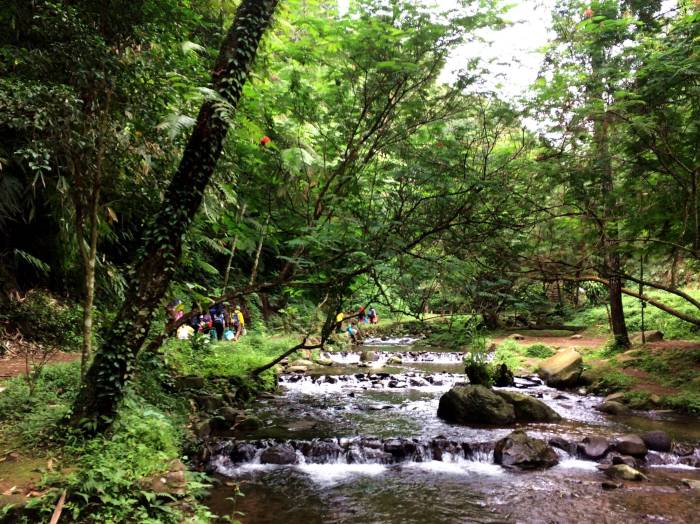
<point>364,445</point>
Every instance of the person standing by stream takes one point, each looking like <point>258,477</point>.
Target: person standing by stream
<point>241,322</point>
<point>219,321</point>
<point>339,322</point>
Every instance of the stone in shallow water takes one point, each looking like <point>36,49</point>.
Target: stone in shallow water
<point>518,450</point>
<point>623,472</point>
<point>631,445</point>
<point>612,407</point>
<point>657,440</point>
<point>562,443</point>
<point>529,409</point>
<point>280,454</point>
<point>594,447</point>
<point>476,405</point>
<point>610,485</point>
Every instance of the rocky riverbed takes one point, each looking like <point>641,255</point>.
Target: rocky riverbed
<point>345,444</point>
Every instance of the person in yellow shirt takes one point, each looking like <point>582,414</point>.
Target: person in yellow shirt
<point>339,322</point>
<point>241,320</point>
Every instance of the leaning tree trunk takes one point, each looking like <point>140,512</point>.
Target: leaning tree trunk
<point>96,405</point>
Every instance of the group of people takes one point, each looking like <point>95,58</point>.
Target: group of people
<point>363,317</point>
<point>216,322</point>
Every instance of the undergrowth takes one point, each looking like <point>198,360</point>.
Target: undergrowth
<point>106,478</point>
<point>654,319</point>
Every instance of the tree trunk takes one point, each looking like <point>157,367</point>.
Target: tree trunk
<point>491,320</point>
<point>233,249</point>
<point>609,231</point>
<point>89,263</point>
<point>254,272</point>
<point>96,405</point>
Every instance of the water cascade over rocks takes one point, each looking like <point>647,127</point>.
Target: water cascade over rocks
<point>416,444</point>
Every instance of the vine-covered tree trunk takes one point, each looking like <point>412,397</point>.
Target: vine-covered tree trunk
<point>96,404</point>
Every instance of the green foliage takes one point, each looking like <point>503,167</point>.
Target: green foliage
<point>687,401</point>
<point>637,399</point>
<point>476,361</point>
<point>539,351</point>
<point>108,479</point>
<point>510,353</point>
<point>654,318</point>
<point>608,379</point>
<point>228,358</point>
<point>42,319</point>
<point>33,418</point>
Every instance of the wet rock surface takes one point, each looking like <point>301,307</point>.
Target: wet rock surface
<point>657,440</point>
<point>612,407</point>
<point>631,445</point>
<point>475,405</point>
<point>518,450</point>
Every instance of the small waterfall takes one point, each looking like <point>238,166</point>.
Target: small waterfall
<point>406,357</point>
<point>377,380</point>
<point>231,455</point>
<point>398,341</point>
<point>682,459</point>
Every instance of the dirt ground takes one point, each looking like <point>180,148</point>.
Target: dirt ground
<point>557,342</point>
<point>11,367</point>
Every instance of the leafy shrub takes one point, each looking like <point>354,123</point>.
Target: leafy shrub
<point>539,351</point>
<point>476,361</point>
<point>42,319</point>
<point>612,380</point>
<point>510,353</point>
<point>686,401</point>
<point>637,399</point>
<point>228,358</point>
<point>672,327</point>
<point>33,418</point>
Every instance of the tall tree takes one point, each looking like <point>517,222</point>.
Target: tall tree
<point>96,404</point>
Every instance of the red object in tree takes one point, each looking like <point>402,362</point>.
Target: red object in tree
<point>588,13</point>
<point>264,140</point>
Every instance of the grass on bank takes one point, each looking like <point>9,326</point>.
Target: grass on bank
<point>108,478</point>
<point>596,317</point>
<point>227,358</point>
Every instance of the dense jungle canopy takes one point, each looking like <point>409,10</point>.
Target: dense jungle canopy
<point>301,158</point>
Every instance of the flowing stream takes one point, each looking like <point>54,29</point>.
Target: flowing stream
<point>351,444</point>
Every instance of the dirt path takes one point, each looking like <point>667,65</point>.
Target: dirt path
<point>11,367</point>
<point>558,342</point>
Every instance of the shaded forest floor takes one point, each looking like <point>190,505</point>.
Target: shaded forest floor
<point>14,366</point>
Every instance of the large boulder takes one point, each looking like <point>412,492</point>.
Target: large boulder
<point>529,409</point>
<point>612,407</point>
<point>518,450</point>
<point>562,370</point>
<point>302,362</point>
<point>649,336</point>
<point>631,445</point>
<point>594,447</point>
<point>369,356</point>
<point>280,454</point>
<point>657,441</point>
<point>473,404</point>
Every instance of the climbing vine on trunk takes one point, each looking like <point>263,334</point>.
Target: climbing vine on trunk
<point>96,405</point>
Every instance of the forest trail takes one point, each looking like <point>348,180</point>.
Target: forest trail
<point>14,366</point>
